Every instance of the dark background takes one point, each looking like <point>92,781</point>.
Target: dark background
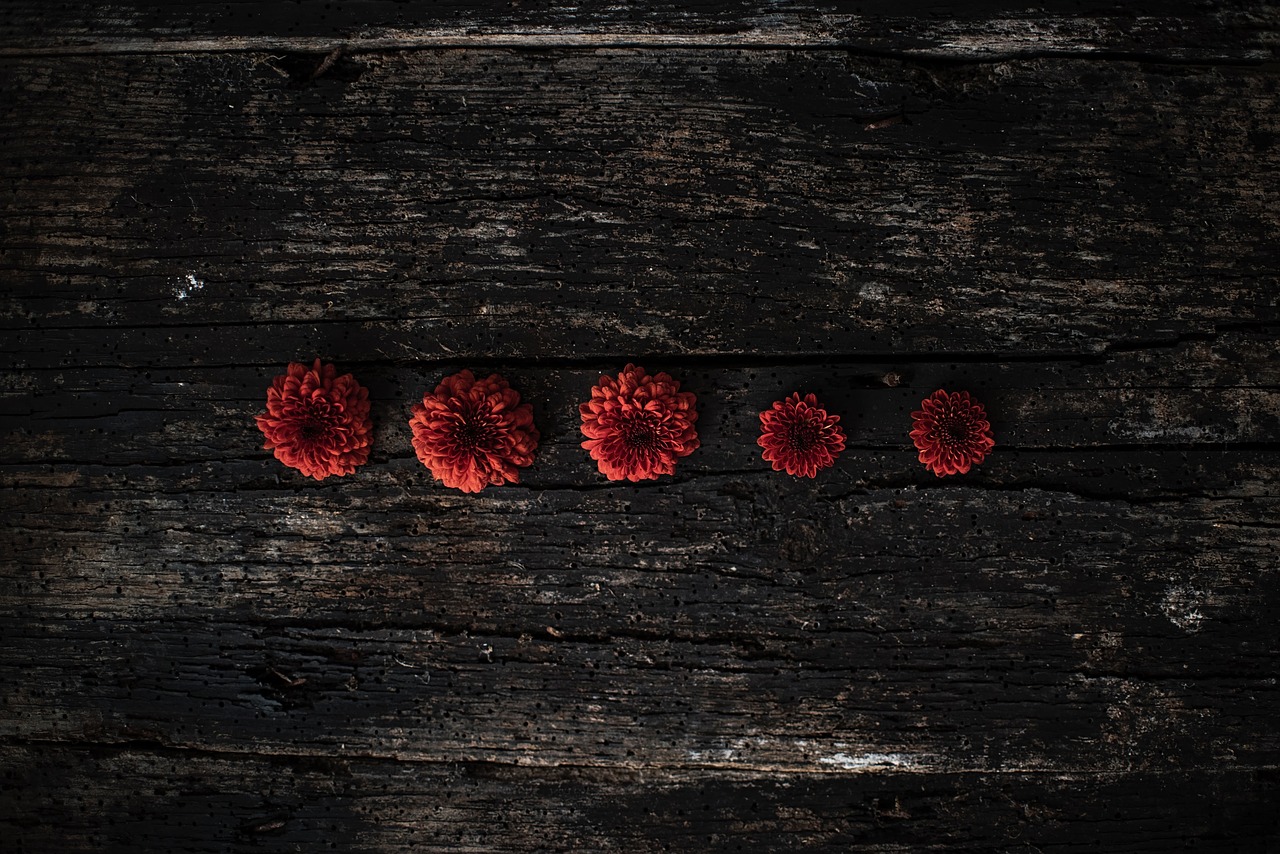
<point>1069,210</point>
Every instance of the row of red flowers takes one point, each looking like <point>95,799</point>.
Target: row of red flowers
<point>472,433</point>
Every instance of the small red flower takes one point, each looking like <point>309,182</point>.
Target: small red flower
<point>637,426</point>
<point>472,433</point>
<point>316,421</point>
<point>951,432</point>
<point>799,437</point>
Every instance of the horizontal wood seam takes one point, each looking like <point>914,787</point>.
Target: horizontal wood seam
<point>592,42</point>
<point>681,773</point>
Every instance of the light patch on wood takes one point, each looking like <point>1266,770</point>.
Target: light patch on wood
<point>187,285</point>
<point>874,291</point>
<point>992,38</point>
<point>1181,604</point>
<point>723,754</point>
<point>870,761</point>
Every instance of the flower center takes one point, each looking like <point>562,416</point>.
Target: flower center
<point>954,431</point>
<point>316,424</point>
<point>641,438</point>
<point>640,432</point>
<point>802,437</point>
<point>469,435</point>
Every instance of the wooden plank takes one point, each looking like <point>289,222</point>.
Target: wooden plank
<point>978,674</point>
<point>612,204</point>
<point>718,621</point>
<point>136,550</point>
<point>1074,604</point>
<point>1072,648</point>
<point>1220,393</point>
<point>1178,30</point>
<point>139,799</point>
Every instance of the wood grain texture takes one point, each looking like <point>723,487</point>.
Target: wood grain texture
<point>1175,30</point>
<point>1074,217</point>
<point>158,800</point>
<point>284,805</point>
<point>477,204</point>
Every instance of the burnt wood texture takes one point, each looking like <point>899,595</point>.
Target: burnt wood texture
<point>1071,210</point>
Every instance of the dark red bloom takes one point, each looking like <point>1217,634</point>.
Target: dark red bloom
<point>799,437</point>
<point>471,433</point>
<point>316,421</point>
<point>951,432</point>
<point>637,426</point>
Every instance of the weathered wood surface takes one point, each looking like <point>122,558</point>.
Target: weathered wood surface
<point>480,204</point>
<point>216,803</point>
<point>1073,648</point>
<point>1172,30</point>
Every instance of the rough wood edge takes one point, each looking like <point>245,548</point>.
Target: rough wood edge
<point>996,40</point>
<point>557,769</point>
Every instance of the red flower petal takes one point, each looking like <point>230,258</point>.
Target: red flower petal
<point>316,421</point>
<point>472,433</point>
<point>799,437</point>
<point>637,425</point>
<point>951,432</point>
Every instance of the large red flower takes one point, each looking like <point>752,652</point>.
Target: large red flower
<point>951,432</point>
<point>799,437</point>
<point>317,421</point>
<point>637,426</point>
<point>471,433</point>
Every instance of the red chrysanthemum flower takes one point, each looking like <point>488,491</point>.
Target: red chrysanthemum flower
<point>951,432</point>
<point>799,437</point>
<point>471,433</point>
<point>316,421</point>
<point>637,426</point>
